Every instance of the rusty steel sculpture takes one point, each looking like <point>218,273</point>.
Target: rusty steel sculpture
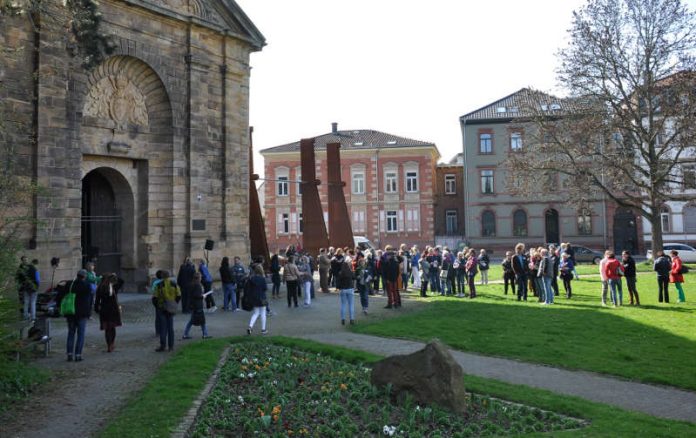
<point>314,235</point>
<point>257,228</point>
<point>340,230</point>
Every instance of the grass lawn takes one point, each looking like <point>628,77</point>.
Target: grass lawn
<point>652,343</point>
<point>157,409</point>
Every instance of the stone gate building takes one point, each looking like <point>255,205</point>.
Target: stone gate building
<point>146,156</point>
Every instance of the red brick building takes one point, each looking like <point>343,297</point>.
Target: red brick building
<point>449,202</point>
<point>389,187</point>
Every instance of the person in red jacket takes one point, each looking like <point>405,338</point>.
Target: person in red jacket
<point>675,275</point>
<point>613,271</point>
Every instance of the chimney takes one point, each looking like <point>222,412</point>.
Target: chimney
<point>334,127</point>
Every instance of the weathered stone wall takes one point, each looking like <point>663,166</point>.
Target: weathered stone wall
<point>168,112</point>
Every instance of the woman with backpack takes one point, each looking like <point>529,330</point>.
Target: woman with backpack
<point>663,268</point>
<point>166,298</point>
<point>676,275</point>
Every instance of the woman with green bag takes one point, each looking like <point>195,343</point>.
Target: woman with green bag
<point>79,293</point>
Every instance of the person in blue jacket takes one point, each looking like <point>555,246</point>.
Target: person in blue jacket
<point>207,282</point>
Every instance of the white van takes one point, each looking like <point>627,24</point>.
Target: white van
<point>363,243</point>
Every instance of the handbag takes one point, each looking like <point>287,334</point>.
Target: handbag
<point>67,304</point>
<point>170,306</point>
<point>443,273</point>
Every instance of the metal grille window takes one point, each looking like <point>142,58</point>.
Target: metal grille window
<point>451,221</point>
<point>390,182</point>
<point>488,224</point>
<point>450,184</point>
<point>411,182</point>
<point>392,224</point>
<point>487,182</point>
<point>486,143</point>
<point>519,223</point>
<point>585,222</point>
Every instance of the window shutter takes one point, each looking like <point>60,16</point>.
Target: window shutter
<point>400,223</point>
<point>279,225</point>
<point>382,221</point>
<point>293,223</point>
<point>326,221</point>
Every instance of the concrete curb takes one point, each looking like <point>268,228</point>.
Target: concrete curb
<point>185,427</point>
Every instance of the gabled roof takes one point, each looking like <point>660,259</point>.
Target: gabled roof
<point>220,15</point>
<point>356,139</point>
<point>521,103</point>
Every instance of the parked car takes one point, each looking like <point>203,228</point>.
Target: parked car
<point>686,252</point>
<point>587,255</point>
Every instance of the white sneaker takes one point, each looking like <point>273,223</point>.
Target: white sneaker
<point>213,309</point>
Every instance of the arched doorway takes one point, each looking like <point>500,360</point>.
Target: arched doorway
<point>625,232</point>
<point>107,220</point>
<point>553,234</point>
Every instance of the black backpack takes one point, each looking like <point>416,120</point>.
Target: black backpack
<point>248,296</point>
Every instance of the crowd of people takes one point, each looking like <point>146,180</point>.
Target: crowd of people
<point>434,270</point>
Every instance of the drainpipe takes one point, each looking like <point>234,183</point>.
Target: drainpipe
<point>466,184</point>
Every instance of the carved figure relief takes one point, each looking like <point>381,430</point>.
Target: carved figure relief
<point>118,99</point>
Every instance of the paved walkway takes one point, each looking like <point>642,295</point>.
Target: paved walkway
<point>83,396</point>
<point>658,401</point>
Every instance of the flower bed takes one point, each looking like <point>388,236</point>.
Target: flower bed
<point>269,390</point>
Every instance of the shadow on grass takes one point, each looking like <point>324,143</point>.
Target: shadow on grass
<point>570,336</point>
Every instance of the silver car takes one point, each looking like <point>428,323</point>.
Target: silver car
<point>686,252</point>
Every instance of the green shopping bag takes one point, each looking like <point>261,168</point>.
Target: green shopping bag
<point>67,304</point>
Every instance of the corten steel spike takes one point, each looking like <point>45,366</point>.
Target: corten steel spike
<point>257,228</point>
<point>314,235</point>
<point>340,230</point>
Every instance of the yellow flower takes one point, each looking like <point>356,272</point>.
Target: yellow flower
<point>343,387</point>
<point>276,410</point>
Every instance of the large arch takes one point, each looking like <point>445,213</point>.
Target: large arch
<point>108,216</point>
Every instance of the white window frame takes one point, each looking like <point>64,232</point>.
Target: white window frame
<point>411,180</point>
<point>665,220</point>
<point>284,223</point>
<point>485,138</point>
<point>450,184</point>
<point>358,182</point>
<point>392,221</point>
<point>516,143</point>
<point>391,181</point>
<point>282,176</point>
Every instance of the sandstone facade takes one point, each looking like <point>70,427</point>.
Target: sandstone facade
<point>146,156</point>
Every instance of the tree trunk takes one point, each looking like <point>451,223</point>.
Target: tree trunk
<point>656,223</point>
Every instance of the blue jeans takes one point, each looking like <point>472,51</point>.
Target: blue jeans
<point>539,284</point>
<point>362,289</point>
<point>435,281</point>
<point>188,328</point>
<point>404,280</point>
<point>347,302</point>
<point>229,295</point>
<point>548,290</point>
<point>76,325</point>
<point>166,328</point>
<point>521,287</point>
<point>30,304</point>
<point>615,285</point>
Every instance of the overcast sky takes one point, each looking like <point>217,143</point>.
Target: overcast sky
<point>406,67</point>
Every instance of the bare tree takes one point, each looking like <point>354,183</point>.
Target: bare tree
<point>628,124</point>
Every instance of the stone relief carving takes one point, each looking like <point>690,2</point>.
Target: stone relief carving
<point>186,7</point>
<point>118,99</point>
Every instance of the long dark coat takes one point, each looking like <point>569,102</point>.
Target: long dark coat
<point>106,305</point>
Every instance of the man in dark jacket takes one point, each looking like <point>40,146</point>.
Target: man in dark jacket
<point>663,264</point>
<point>390,267</point>
<point>240,277</point>
<point>228,285</point>
<point>27,278</point>
<point>83,310</point>
<point>629,265</point>
<point>520,268</point>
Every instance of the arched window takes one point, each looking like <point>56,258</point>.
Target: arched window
<point>689,213</point>
<point>488,224</point>
<point>665,219</point>
<point>519,223</point>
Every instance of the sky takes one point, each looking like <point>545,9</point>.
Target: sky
<point>406,67</point>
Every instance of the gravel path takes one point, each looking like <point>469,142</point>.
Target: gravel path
<point>83,396</point>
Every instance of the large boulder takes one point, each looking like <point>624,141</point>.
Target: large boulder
<point>430,375</point>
